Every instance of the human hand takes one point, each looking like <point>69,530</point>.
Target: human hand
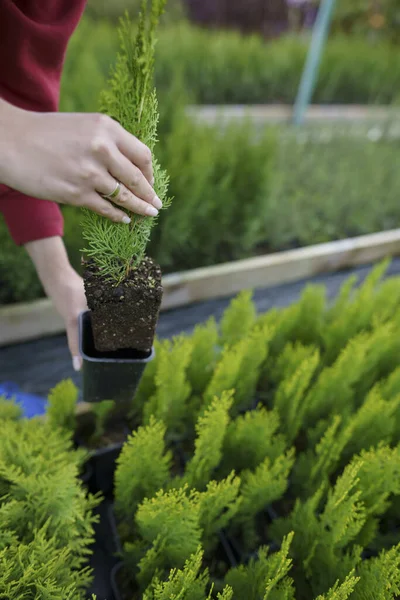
<point>75,159</point>
<point>63,285</point>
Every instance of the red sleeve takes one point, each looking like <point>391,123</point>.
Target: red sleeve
<point>33,40</point>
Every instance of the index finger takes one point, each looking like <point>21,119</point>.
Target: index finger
<point>137,152</point>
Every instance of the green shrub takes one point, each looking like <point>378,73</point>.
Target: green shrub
<point>310,203</point>
<point>224,67</point>
<point>313,474</point>
<point>46,520</point>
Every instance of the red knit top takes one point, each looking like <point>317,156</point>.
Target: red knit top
<point>33,38</point>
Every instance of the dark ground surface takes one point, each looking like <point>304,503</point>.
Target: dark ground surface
<point>39,365</point>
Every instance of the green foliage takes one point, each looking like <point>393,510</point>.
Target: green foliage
<point>39,569</point>
<point>238,319</point>
<point>211,430</point>
<point>333,390</point>
<point>266,484</point>
<point>170,522</point>
<point>143,468</point>
<point>46,521</point>
<point>264,577</point>
<point>219,504</point>
<point>343,591</point>
<point>251,438</point>
<point>203,357</point>
<point>130,99</point>
<point>102,412</point>
<point>226,372</point>
<point>255,351</point>
<point>9,409</point>
<point>332,395</point>
<point>224,67</point>
<point>379,577</point>
<point>14,260</point>
<point>61,405</point>
<point>356,318</point>
<point>186,584</point>
<point>291,400</point>
<point>172,390</point>
<point>147,384</point>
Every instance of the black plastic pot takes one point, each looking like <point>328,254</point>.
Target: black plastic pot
<point>114,581</point>
<point>103,465</point>
<point>114,529</point>
<point>109,375</point>
<point>87,474</point>
<point>104,556</point>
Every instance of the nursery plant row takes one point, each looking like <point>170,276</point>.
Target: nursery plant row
<point>262,463</point>
<point>224,67</point>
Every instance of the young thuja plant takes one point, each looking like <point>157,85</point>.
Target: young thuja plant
<point>61,406</point>
<point>46,523</point>
<point>9,409</point>
<point>101,411</point>
<point>123,286</point>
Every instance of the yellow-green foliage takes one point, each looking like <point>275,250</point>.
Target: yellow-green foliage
<point>211,430</point>
<point>170,523</point>
<point>251,438</point>
<point>219,504</point>
<point>143,467</point>
<point>357,316</point>
<point>46,521</point>
<point>253,359</point>
<point>9,409</point>
<point>265,577</point>
<point>101,412</point>
<point>204,354</point>
<point>186,584</point>
<point>226,372</point>
<point>334,389</point>
<point>317,457</point>
<point>343,591</point>
<point>266,484</point>
<point>62,405</point>
<point>172,389</point>
<point>147,385</point>
<point>291,400</point>
<point>238,319</point>
<point>379,577</point>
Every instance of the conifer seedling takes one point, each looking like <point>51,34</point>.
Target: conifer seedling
<point>123,285</point>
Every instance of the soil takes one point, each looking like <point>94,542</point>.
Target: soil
<point>124,316</point>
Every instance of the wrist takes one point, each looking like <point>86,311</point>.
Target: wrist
<point>9,117</point>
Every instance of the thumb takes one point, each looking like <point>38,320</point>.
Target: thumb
<point>73,343</point>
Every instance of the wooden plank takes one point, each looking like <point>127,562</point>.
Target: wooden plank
<point>283,113</point>
<point>27,321</point>
<point>274,269</point>
<point>23,322</point>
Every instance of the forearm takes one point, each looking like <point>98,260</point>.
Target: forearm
<point>51,262</point>
<point>62,284</point>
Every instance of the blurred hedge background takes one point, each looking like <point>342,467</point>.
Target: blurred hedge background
<point>237,194</point>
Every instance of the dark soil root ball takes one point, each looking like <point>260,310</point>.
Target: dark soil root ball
<point>124,315</point>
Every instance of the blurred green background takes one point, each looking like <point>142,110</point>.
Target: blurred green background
<point>240,190</point>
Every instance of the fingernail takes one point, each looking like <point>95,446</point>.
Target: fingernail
<point>151,211</point>
<point>157,203</point>
<point>126,220</point>
<point>77,363</point>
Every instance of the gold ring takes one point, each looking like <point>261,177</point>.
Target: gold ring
<point>114,193</point>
